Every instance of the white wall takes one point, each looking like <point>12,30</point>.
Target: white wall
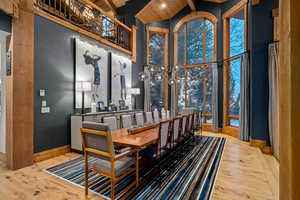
<point>2,76</point>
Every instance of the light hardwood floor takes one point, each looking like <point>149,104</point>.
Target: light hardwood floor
<point>245,173</point>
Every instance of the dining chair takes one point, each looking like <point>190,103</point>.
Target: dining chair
<point>176,131</point>
<point>163,139</point>
<point>163,116</point>
<point>112,122</point>
<point>156,116</point>
<point>126,121</point>
<point>190,125</point>
<point>97,143</point>
<point>183,127</point>
<point>149,118</point>
<point>168,114</point>
<point>139,119</point>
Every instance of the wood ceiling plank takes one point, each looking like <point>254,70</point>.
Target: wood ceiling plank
<point>154,11</point>
<point>192,4</point>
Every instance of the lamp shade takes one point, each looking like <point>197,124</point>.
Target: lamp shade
<point>83,86</point>
<point>134,91</point>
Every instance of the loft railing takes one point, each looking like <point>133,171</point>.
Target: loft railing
<point>90,17</point>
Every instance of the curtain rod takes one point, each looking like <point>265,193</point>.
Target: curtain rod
<point>219,61</point>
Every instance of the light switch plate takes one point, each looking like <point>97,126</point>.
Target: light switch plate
<point>45,109</point>
<point>42,93</point>
<point>44,103</point>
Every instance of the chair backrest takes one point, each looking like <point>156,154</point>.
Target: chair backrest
<point>190,122</point>
<point>112,122</point>
<point>163,115</point>
<point>164,133</point>
<point>168,114</point>
<point>183,125</point>
<point>101,142</point>
<point>156,116</point>
<point>126,121</point>
<point>139,119</point>
<point>176,127</point>
<point>149,118</point>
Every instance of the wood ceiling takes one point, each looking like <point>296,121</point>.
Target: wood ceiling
<point>109,6</point>
<point>158,10</point>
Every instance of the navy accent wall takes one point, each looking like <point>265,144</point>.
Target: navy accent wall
<point>5,22</point>
<point>54,71</point>
<point>262,34</point>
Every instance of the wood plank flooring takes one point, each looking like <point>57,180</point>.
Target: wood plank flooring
<point>245,173</point>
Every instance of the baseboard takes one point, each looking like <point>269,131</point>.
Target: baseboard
<point>45,155</point>
<point>262,145</point>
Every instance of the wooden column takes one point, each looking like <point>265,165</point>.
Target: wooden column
<point>289,98</point>
<point>20,90</point>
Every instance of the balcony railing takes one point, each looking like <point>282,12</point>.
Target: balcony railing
<point>89,17</point>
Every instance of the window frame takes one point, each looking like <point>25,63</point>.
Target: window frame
<point>165,32</point>
<point>183,22</point>
<point>241,6</point>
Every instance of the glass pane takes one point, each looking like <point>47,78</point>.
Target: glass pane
<point>156,49</point>
<point>181,46</point>
<point>237,34</point>
<point>234,122</point>
<point>156,92</point>
<point>234,87</point>
<point>209,41</point>
<point>195,41</point>
<point>199,92</point>
<point>181,89</point>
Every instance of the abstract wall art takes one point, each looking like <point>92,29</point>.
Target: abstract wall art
<point>91,65</point>
<point>121,78</point>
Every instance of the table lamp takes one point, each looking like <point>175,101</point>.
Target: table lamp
<point>134,92</point>
<point>83,86</point>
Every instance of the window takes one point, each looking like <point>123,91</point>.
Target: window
<point>195,89</point>
<point>157,51</point>
<point>195,39</point>
<point>235,43</point>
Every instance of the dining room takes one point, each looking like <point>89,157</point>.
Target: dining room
<point>143,99</point>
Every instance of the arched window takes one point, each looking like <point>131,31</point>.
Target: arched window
<point>195,39</point>
<point>195,46</point>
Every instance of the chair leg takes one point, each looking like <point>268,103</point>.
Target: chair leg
<point>112,189</point>
<point>137,169</point>
<point>86,175</point>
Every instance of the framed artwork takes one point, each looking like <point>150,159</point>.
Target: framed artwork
<point>91,65</point>
<point>121,78</point>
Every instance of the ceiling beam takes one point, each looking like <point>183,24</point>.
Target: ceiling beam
<point>192,4</point>
<point>112,6</point>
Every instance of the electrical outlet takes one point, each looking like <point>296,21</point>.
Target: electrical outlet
<point>44,103</point>
<point>42,93</point>
<point>45,110</point>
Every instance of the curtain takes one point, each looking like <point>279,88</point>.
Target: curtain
<point>273,99</point>
<point>215,90</point>
<point>173,94</point>
<point>245,98</point>
<point>147,106</point>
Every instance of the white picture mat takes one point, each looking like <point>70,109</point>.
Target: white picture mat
<point>117,70</point>
<point>85,72</point>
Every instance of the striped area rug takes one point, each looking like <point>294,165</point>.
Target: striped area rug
<point>188,172</point>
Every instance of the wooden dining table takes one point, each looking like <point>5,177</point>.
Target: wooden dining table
<point>138,140</point>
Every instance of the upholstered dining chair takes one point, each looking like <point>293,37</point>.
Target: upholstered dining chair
<point>163,116</point>
<point>190,125</point>
<point>126,121</point>
<point>149,118</point>
<point>183,127</point>
<point>97,143</point>
<point>139,119</point>
<point>168,115</point>
<point>156,116</point>
<point>163,139</point>
<point>112,122</point>
<point>176,131</point>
